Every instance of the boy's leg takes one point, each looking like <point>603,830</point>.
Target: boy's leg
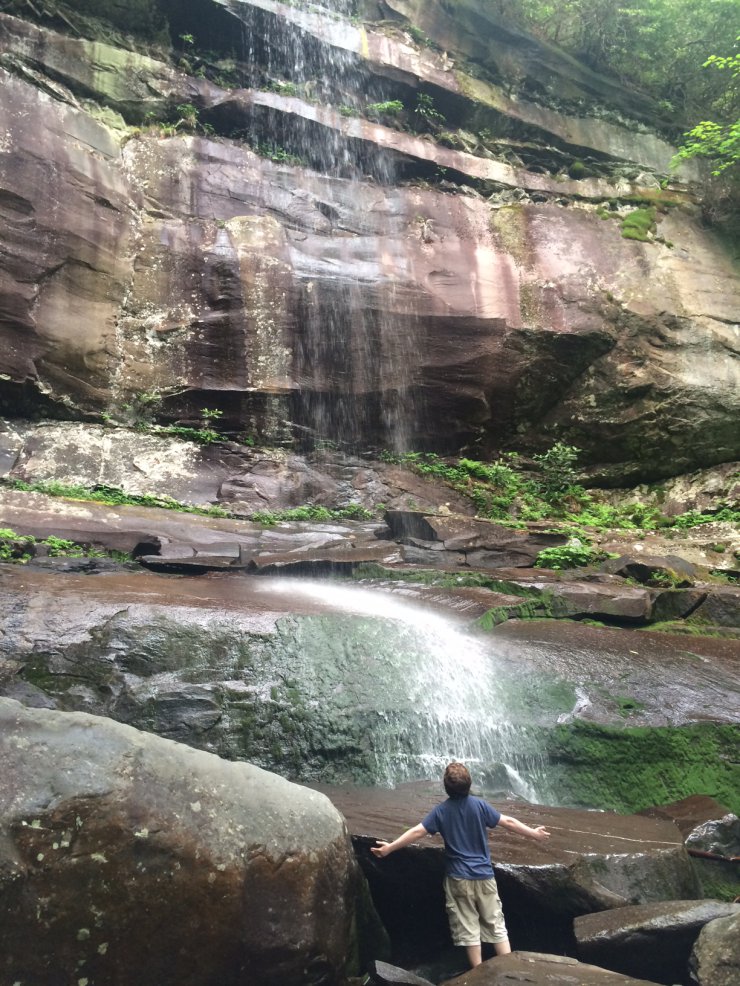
<point>462,915</point>
<point>474,955</point>
<point>492,924</point>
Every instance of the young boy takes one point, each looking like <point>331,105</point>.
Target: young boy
<point>473,905</point>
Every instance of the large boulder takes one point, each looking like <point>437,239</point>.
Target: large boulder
<point>130,859</point>
<point>653,940</point>
<point>715,960</point>
<point>593,861</point>
<point>540,969</point>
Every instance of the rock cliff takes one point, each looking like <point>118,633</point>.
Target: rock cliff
<point>413,230</point>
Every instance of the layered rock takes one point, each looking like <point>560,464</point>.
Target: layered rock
<point>321,305</point>
<point>130,859</point>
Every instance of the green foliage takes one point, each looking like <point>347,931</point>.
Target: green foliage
<point>203,436</point>
<point>14,547</point>
<point>392,108</point>
<point>426,111</point>
<point>112,495</point>
<point>353,511</point>
<point>277,153</point>
<point>558,475</point>
<point>639,225</point>
<point>693,518</point>
<point>719,142</point>
<point>568,556</point>
<point>19,547</point>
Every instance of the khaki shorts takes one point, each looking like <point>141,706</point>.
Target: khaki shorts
<point>474,911</point>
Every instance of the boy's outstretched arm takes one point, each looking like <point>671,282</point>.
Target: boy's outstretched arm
<point>540,833</point>
<point>409,836</point>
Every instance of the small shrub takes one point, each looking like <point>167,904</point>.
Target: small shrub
<point>568,556</point>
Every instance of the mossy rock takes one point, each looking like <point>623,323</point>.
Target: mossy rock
<point>639,225</point>
<point>634,768</point>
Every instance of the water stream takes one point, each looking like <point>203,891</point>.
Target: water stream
<point>354,345</point>
<point>429,691</point>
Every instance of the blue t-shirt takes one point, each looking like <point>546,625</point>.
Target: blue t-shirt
<point>462,823</point>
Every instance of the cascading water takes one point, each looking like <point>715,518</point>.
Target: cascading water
<point>428,691</point>
<point>353,358</point>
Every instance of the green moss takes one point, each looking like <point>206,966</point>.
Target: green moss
<point>639,225</point>
<point>631,769</point>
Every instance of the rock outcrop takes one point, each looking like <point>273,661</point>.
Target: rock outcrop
<point>334,285</point>
<point>129,859</point>
<point>593,861</point>
<point>652,941</point>
<point>715,960</point>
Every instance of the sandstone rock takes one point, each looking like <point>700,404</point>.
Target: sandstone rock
<point>127,858</point>
<point>483,544</point>
<point>534,346</point>
<point>689,813</point>
<point>543,970</point>
<point>721,607</point>
<point>648,569</point>
<point>593,861</point>
<point>715,960</point>
<point>651,941</point>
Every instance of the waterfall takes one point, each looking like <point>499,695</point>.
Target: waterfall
<point>356,335</point>
<point>426,691</point>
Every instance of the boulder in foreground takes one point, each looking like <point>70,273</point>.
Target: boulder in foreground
<point>540,969</point>
<point>133,860</point>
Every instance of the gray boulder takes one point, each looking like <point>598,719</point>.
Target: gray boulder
<point>650,940</point>
<point>130,859</point>
<point>715,960</point>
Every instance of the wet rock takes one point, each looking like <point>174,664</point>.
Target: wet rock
<point>649,570</point>
<point>391,975</point>
<point>593,861</point>
<point>715,960</point>
<point>541,969</point>
<point>689,813</point>
<point>721,608</point>
<point>134,860</point>
<point>482,544</point>
<point>545,345</point>
<point>719,837</point>
<point>653,941</point>
<point>293,666</point>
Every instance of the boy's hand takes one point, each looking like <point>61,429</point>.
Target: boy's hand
<point>381,849</point>
<point>540,833</point>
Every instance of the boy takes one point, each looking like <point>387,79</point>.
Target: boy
<point>473,905</point>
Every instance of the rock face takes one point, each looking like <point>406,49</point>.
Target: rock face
<point>312,295</point>
<point>129,859</point>
<point>653,941</point>
<point>715,960</point>
<point>316,679</point>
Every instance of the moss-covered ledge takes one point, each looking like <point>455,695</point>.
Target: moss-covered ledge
<point>634,768</point>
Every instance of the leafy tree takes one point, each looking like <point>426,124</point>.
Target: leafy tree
<point>720,142</point>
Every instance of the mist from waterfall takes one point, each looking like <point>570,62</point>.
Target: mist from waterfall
<point>429,690</point>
